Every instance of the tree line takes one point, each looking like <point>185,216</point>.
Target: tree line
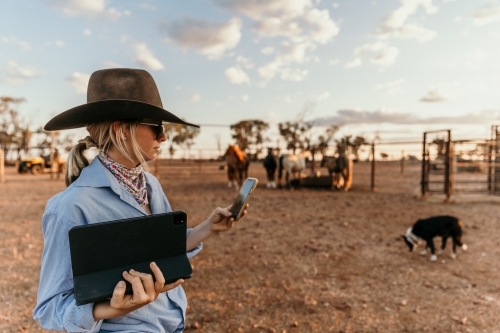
<point>249,135</point>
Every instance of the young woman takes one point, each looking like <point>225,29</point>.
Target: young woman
<point>124,117</point>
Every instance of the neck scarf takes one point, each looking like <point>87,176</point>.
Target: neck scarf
<point>132,179</point>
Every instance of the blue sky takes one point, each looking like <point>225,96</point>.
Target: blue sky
<point>393,67</point>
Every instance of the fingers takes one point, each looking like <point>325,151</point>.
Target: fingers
<point>173,285</point>
<point>147,283</point>
<point>159,278</point>
<point>139,295</point>
<point>118,297</point>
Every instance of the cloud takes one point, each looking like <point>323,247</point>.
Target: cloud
<point>112,64</point>
<point>147,6</point>
<point>434,96</point>
<point>390,88</point>
<point>267,50</point>
<point>211,39</point>
<point>89,8</point>
<point>244,62</point>
<point>245,97</point>
<point>395,24</point>
<point>87,32</point>
<point>356,116</point>
<point>17,75</point>
<point>79,81</point>
<point>486,15</point>
<point>324,95</point>
<point>14,40</point>
<point>236,75</point>
<point>333,62</point>
<point>145,57</point>
<point>58,43</point>
<point>195,98</point>
<point>356,62</point>
<point>381,54</point>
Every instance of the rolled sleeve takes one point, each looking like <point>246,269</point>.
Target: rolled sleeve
<point>196,250</point>
<point>56,308</point>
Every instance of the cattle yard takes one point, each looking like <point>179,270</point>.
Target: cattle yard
<point>303,260</point>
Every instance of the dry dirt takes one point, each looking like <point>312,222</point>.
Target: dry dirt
<point>306,260</point>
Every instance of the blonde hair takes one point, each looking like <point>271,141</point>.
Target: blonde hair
<point>103,137</point>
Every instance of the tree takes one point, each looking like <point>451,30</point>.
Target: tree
<point>346,146</point>
<point>250,134</point>
<point>14,130</point>
<point>297,133</point>
<point>185,137</point>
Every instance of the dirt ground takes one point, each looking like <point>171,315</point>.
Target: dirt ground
<point>306,260</point>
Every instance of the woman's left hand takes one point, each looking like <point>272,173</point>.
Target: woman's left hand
<point>221,220</point>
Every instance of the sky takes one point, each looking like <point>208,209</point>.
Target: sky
<point>381,69</point>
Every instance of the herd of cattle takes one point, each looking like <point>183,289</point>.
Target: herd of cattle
<point>339,168</point>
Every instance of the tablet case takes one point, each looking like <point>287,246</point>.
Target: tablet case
<point>100,252</point>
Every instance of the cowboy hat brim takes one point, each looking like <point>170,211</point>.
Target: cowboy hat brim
<point>110,110</point>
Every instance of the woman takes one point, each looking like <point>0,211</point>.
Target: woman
<point>124,117</point>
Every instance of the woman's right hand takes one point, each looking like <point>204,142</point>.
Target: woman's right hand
<point>144,291</point>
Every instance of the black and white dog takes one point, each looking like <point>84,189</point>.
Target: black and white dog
<point>425,230</point>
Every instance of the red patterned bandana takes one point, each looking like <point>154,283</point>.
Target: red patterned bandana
<point>132,179</point>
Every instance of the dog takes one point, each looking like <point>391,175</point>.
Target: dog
<point>425,230</point>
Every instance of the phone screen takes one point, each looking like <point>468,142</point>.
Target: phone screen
<point>242,197</point>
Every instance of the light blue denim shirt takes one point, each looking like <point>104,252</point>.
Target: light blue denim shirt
<point>96,196</point>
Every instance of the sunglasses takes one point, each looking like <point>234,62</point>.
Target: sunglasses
<point>158,129</point>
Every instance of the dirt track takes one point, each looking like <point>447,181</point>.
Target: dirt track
<point>305,260</point>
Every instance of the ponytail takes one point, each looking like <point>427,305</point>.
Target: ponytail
<point>76,160</point>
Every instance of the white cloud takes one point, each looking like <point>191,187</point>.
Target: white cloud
<point>79,81</point>
<point>433,96</point>
<point>386,57</point>
<point>87,32</point>
<point>478,55</point>
<point>17,75</point>
<point>295,75</point>
<point>147,6</point>
<point>195,98</point>
<point>236,75</point>
<point>58,43</point>
<point>324,95</point>
<point>335,5</point>
<point>209,38</point>
<point>287,99</point>
<point>89,8</point>
<point>112,64</point>
<point>381,54</point>
<point>325,29</point>
<point>395,24</point>
<point>259,9</point>
<point>356,62</point>
<point>488,14</point>
<point>267,50</point>
<point>14,40</point>
<point>390,88</point>
<point>145,57</point>
<point>333,62</point>
<point>358,116</point>
<point>245,62</point>
<point>245,97</point>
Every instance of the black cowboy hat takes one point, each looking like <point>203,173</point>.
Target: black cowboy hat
<point>116,94</point>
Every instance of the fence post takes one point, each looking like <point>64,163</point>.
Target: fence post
<point>423,178</point>
<point>2,166</point>
<point>447,170</point>
<point>199,162</point>
<point>402,162</point>
<point>373,167</point>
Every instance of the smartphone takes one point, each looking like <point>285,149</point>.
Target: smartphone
<point>241,199</point>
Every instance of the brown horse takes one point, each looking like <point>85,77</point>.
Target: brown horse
<point>340,169</point>
<point>237,166</point>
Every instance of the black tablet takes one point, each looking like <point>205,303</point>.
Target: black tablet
<point>100,252</point>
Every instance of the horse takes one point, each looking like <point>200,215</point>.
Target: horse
<point>237,166</point>
<point>270,164</point>
<point>291,164</point>
<point>340,169</point>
